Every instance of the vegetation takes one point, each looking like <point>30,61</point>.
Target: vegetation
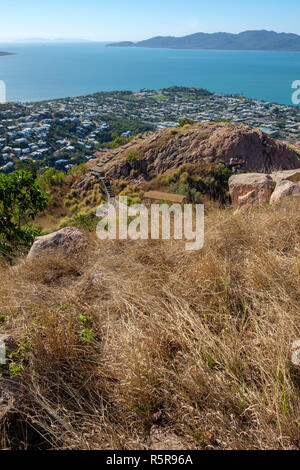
<point>85,222</point>
<point>185,121</point>
<point>133,158</point>
<point>21,199</point>
<point>246,40</point>
<point>112,135</point>
<point>196,343</point>
<point>195,181</point>
<point>124,335</point>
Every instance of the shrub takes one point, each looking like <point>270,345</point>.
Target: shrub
<point>21,199</point>
<point>191,180</point>
<point>185,121</point>
<point>133,159</point>
<point>86,222</point>
<point>51,177</point>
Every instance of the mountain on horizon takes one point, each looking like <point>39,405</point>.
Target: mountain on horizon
<point>247,40</point>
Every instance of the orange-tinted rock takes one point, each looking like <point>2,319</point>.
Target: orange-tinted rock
<point>250,189</point>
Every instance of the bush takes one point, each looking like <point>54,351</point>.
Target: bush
<point>133,159</point>
<point>21,199</point>
<point>185,121</point>
<point>193,181</point>
<point>85,222</point>
<point>52,177</point>
<point>78,170</point>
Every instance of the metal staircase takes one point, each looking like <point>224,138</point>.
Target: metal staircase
<point>99,173</point>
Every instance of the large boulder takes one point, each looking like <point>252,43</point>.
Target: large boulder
<point>289,175</point>
<point>283,189</point>
<point>67,240</point>
<point>250,189</point>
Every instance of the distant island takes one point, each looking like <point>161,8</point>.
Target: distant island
<point>6,53</point>
<point>248,40</point>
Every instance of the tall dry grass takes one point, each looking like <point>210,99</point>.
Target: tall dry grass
<point>197,343</point>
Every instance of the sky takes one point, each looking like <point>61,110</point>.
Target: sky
<point>115,20</point>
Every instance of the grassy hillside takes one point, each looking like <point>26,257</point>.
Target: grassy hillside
<point>198,344</point>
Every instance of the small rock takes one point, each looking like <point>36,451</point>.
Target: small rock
<point>161,439</point>
<point>10,343</point>
<point>68,240</point>
<point>98,276</point>
<point>156,416</point>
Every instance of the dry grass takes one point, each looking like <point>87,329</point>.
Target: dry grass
<point>198,343</point>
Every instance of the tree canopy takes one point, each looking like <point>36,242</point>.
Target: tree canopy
<point>21,199</point>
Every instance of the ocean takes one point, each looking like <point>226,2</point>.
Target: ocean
<point>49,71</point>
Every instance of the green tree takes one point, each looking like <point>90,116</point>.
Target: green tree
<point>51,177</point>
<point>21,199</point>
<point>185,121</point>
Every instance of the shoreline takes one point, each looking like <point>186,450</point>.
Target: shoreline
<point>85,95</point>
<point>6,53</point>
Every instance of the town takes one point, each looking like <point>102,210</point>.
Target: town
<point>66,132</point>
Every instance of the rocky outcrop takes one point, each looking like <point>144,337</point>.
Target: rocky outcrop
<point>254,189</point>
<point>67,240</point>
<point>236,146</point>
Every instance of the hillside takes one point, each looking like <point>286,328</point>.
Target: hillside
<point>195,160</point>
<point>235,146</point>
<point>197,147</point>
<point>247,40</point>
<point>123,344</point>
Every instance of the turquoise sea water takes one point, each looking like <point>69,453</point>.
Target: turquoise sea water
<point>45,71</point>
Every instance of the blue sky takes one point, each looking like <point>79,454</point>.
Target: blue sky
<point>108,20</point>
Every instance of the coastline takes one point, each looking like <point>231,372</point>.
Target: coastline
<point>6,53</point>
